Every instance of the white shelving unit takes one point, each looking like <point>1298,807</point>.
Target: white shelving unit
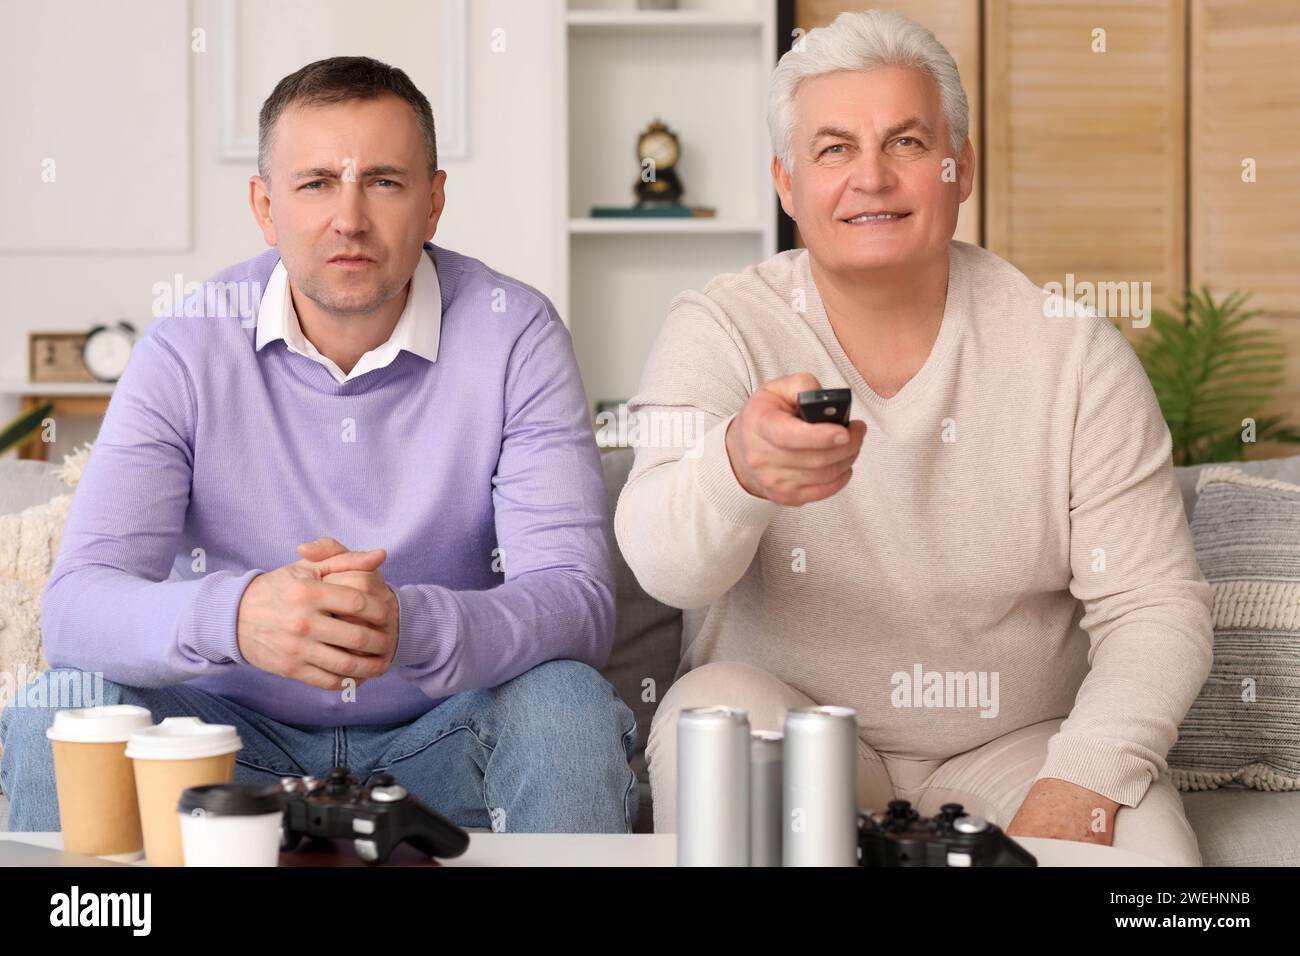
<point>655,226</point>
<point>40,389</point>
<point>703,69</point>
<point>622,17</point>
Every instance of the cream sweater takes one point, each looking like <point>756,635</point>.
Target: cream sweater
<point>1012,547</point>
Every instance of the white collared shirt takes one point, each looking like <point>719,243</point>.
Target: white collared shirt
<point>417,328</point>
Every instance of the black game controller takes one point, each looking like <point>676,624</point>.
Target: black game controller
<point>825,405</point>
<point>902,838</point>
<point>376,817</point>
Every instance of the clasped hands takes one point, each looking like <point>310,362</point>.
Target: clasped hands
<point>322,620</point>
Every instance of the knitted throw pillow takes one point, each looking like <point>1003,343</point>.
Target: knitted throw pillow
<point>1245,724</point>
<point>29,543</point>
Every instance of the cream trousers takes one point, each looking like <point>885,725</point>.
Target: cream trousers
<point>990,781</point>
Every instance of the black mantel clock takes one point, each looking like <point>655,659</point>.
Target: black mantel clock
<point>659,147</point>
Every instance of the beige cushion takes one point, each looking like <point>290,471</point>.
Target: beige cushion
<point>41,496</point>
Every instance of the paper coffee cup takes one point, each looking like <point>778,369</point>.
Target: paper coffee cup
<point>169,757</point>
<point>96,786</point>
<point>232,824</point>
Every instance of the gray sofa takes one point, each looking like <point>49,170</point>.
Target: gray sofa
<point>1236,826</point>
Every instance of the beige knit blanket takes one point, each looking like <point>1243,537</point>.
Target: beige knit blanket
<point>29,542</point>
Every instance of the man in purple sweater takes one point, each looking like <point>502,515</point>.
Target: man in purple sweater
<point>385,393</point>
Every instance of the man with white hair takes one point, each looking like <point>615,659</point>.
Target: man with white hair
<point>991,564</point>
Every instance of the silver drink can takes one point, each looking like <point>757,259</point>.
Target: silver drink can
<point>713,787</point>
<point>820,799</point>
<point>765,777</point>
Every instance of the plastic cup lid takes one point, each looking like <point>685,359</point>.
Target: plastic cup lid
<point>98,725</point>
<point>231,800</point>
<point>182,738</point>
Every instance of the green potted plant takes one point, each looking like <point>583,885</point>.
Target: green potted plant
<point>22,428</point>
<point>1213,376</point>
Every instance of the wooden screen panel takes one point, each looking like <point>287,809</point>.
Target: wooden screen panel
<point>1245,104</point>
<point>1085,151</point>
<point>955,24</point>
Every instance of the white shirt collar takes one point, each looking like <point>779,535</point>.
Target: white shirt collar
<point>417,328</point>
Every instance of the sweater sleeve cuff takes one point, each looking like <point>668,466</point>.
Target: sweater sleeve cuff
<point>718,482</point>
<point>215,615</point>
<point>1098,764</point>
<point>428,622</point>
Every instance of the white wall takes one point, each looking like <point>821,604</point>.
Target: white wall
<point>499,206</point>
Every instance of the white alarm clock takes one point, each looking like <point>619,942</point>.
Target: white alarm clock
<point>108,349</point>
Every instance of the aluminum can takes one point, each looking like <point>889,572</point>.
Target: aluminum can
<point>713,787</point>
<point>765,795</point>
<point>820,787</point>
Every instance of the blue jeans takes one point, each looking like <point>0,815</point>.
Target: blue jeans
<point>546,751</point>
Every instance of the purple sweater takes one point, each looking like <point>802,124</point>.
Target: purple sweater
<point>208,444</point>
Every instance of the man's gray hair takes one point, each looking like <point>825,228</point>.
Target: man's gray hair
<point>861,41</point>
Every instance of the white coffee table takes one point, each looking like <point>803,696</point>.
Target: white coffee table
<point>659,849</point>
